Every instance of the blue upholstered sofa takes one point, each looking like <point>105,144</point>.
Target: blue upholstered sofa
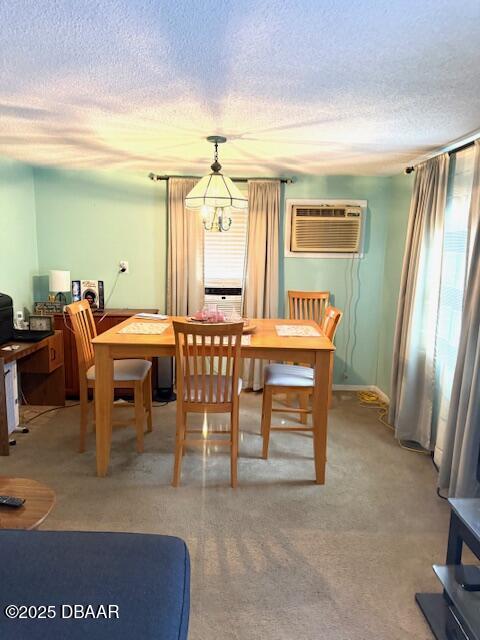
<point>124,585</point>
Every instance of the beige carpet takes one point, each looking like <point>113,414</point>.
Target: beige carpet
<point>279,558</point>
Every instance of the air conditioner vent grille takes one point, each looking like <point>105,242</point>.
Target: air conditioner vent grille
<point>326,229</point>
<point>225,303</point>
<point>327,212</point>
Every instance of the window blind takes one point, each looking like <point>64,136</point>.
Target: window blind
<point>225,252</point>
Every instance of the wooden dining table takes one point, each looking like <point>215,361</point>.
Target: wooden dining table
<point>264,343</point>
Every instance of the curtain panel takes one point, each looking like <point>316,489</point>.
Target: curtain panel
<point>261,276</point>
<point>185,278</point>
<point>413,369</point>
<point>460,467</point>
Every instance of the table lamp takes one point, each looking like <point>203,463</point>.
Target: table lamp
<point>59,283</point>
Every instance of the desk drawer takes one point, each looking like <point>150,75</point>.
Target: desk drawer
<point>48,358</point>
<point>55,351</point>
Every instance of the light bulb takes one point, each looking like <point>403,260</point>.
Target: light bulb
<point>206,212</point>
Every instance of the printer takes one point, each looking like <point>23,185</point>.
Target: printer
<point>8,333</point>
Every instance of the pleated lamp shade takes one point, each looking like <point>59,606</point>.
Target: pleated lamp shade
<point>217,191</point>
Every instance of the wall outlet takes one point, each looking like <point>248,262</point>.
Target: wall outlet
<point>123,264</point>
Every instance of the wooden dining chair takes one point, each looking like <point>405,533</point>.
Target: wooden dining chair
<point>308,305</point>
<point>292,378</point>
<point>207,373</point>
<point>127,374</point>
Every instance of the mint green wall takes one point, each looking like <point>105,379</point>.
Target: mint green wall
<point>18,242</point>
<point>400,193</point>
<point>335,275</point>
<point>88,221</point>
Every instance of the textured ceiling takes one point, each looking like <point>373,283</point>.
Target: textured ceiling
<point>317,86</point>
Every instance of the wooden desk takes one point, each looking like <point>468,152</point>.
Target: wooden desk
<point>265,344</point>
<point>39,501</point>
<point>40,365</point>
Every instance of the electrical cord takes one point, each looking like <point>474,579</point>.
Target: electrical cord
<point>112,290</point>
<point>437,469</point>
<point>352,301</point>
<point>356,298</point>
<point>77,404</point>
<point>66,321</point>
<point>349,293</point>
<point>66,324</point>
<point>440,495</point>
<point>372,400</point>
<point>37,415</point>
<point>355,314</point>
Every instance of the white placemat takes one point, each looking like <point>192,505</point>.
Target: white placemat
<point>145,328</point>
<point>151,316</point>
<point>296,330</point>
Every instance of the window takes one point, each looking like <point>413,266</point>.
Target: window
<point>225,253</point>
<point>224,262</point>
<point>454,267</point>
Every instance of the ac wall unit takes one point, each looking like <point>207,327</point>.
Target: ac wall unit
<point>227,299</point>
<point>320,228</point>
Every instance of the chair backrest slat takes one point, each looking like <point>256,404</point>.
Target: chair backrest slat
<point>308,305</point>
<point>220,370</point>
<point>203,362</point>
<point>195,368</point>
<point>331,321</point>
<point>207,361</point>
<point>83,324</point>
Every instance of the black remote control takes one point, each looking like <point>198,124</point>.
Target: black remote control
<point>10,501</point>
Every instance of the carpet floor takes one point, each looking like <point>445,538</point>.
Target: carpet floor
<point>280,558</point>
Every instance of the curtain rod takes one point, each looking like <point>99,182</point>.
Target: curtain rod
<point>156,178</point>
<point>450,148</point>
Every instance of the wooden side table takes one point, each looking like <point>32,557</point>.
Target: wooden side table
<point>39,501</point>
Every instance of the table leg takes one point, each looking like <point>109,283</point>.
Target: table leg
<point>320,402</point>
<point>455,542</point>
<point>103,406</point>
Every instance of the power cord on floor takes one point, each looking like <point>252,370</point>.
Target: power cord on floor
<point>437,469</point>
<point>372,400</point>
<point>77,404</point>
<point>440,495</point>
<point>42,413</point>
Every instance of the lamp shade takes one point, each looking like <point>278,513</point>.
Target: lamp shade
<point>216,190</point>
<point>59,281</point>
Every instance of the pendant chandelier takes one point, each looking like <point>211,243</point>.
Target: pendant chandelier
<point>215,195</point>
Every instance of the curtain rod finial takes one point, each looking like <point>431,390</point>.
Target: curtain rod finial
<point>410,169</point>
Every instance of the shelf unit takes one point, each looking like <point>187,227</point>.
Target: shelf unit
<point>455,613</point>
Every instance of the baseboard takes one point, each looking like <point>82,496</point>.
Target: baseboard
<point>362,387</point>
